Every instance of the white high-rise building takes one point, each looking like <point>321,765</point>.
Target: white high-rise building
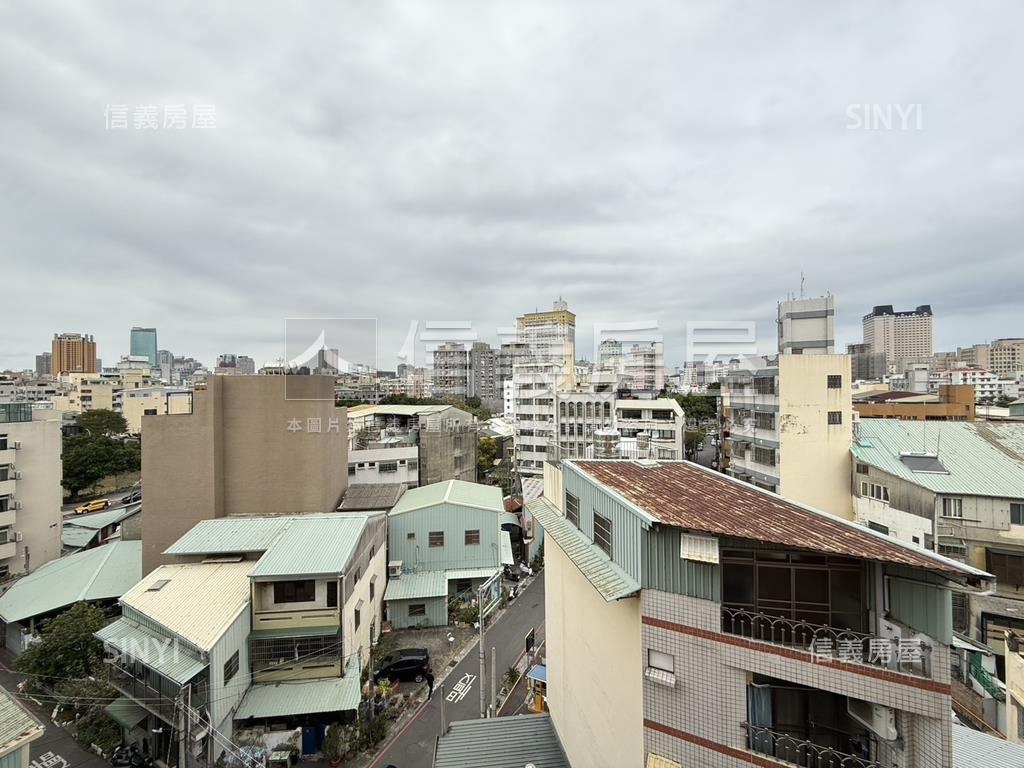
<point>807,326</point>
<point>899,335</point>
<point>451,370</point>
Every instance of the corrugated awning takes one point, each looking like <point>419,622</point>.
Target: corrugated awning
<point>506,549</point>
<point>270,634</point>
<point>308,697</point>
<point>163,654</point>
<point>126,712</point>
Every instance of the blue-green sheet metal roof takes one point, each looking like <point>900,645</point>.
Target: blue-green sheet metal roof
<point>224,535</point>
<point>102,519</point>
<point>415,586</point>
<point>73,537</point>
<point>15,721</point>
<point>306,697</point>
<point>102,573</point>
<point>606,577</point>
<point>451,492</point>
<point>126,712</point>
<point>318,545</point>
<point>501,742</point>
<point>268,634</point>
<point>471,573</point>
<point>160,652</point>
<point>979,458</point>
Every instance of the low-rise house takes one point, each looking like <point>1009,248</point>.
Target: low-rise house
<point>693,619</point>
<point>100,575</point>
<point>444,540</point>
<point>179,654</point>
<point>18,729</point>
<point>94,530</point>
<point>317,585</point>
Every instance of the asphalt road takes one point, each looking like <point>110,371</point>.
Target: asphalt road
<point>414,745</point>
<point>115,502</point>
<point>56,748</point>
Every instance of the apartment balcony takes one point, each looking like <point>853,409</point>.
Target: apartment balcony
<point>8,550</point>
<point>7,456</point>
<point>7,487</point>
<point>160,703</point>
<point>827,643</point>
<point>309,618</point>
<point>805,752</point>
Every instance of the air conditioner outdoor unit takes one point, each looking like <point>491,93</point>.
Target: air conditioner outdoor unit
<point>15,444</point>
<point>18,505</point>
<point>16,475</point>
<point>18,535</point>
<point>878,719</point>
<point>394,569</point>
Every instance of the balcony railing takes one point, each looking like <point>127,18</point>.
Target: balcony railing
<point>827,643</point>
<point>803,752</point>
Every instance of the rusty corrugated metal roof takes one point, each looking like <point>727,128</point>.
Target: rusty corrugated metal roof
<point>687,496</point>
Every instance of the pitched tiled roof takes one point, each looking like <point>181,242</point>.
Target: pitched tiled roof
<point>689,496</point>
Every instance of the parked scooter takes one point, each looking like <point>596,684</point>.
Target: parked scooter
<point>129,756</point>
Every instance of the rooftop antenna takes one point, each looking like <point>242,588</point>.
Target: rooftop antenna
<point>801,284</point>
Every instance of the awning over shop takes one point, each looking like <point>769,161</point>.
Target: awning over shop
<point>335,694</point>
<point>126,712</point>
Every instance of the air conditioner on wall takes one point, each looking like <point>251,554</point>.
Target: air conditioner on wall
<point>18,536</point>
<point>878,719</point>
<point>17,505</point>
<point>394,569</point>
<point>15,444</point>
<point>16,475</point>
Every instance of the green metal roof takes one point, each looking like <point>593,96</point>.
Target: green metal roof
<point>319,545</point>
<point>501,742</point>
<point>413,586</point>
<point>160,652</point>
<point>979,458</point>
<point>126,712</point>
<point>223,535</point>
<point>606,577</point>
<point>73,537</point>
<point>103,519</point>
<point>103,573</point>
<point>471,573</point>
<point>15,722</point>
<point>459,492</point>
<point>268,634</point>
<point>306,697</point>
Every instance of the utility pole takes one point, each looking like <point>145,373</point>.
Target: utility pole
<point>483,671</point>
<point>444,727</point>
<point>494,682</point>
<point>181,729</point>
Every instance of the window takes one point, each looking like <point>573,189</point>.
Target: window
<point>410,536</point>
<point>332,594</point>
<point>373,585</point>
<point>864,488</point>
<point>764,385</point>
<point>231,667</point>
<point>417,609</point>
<point>835,381</point>
<point>862,469</point>
<point>572,509</point>
<point>664,661</point>
<point>835,417</point>
<point>294,591</point>
<point>463,585</point>
<point>356,617</point>
<point>764,420</point>
<point>764,455</point>
<point>351,470</point>
<point>1017,512</point>
<point>435,539</point>
<point>603,533</point>
<point>878,527</point>
<point>953,508</point>
<point>472,537</point>
<point>880,492</point>
<point>388,466</point>
<point>1008,569</point>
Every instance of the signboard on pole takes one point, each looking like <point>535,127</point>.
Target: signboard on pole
<point>490,595</point>
<point>531,637</point>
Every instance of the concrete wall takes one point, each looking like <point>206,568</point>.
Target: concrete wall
<point>594,664</point>
<point>225,697</point>
<point>39,491</point>
<point>814,456</point>
<point>375,572</point>
<point>245,449</point>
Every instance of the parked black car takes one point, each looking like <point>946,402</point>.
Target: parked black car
<point>406,664</point>
<point>131,498</point>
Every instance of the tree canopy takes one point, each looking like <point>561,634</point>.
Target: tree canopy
<point>94,454</point>
<point>66,649</point>
<point>698,408</point>
<point>102,422</point>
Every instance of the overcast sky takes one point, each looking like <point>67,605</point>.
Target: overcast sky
<point>471,161</point>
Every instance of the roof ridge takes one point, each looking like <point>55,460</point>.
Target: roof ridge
<point>96,571</point>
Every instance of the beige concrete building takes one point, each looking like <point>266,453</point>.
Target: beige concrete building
<point>807,326</point>
<point>788,429</point>
<point>692,619</point>
<point>952,403</point>
<point>900,335</point>
<point>245,449</point>
<point>1006,357</point>
<point>30,488</point>
<point>133,404</point>
<point>72,353</point>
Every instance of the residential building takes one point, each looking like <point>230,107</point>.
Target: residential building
<point>644,367</point>
<point>987,385</point>
<point>451,370</point>
<point>483,372</point>
<point>732,627</point>
<point>1006,357</point>
<point>180,654</point>
<point>89,392</point>
<point>952,403</point>
<point>133,404</point>
<point>807,326</point>
<point>659,422</point>
<point>866,365</point>
<point>508,399</point>
<point>236,364</point>
<point>511,354</point>
<point>73,353</point>
<point>788,429</point>
<point>18,729</point>
<point>251,445</point>
<point>899,334</point>
<point>591,422</point>
<point>30,488</point>
<point>444,540</point>
<point>143,344</point>
<point>411,444</point>
<point>314,612</point>
<point>44,364</point>
<point>610,357</point>
<point>99,576</point>
<point>957,488</point>
<point>550,336</point>
<point>534,388</point>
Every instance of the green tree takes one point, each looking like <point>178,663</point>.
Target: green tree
<point>88,458</point>
<point>102,422</point>
<point>691,440</point>
<point>697,408</point>
<point>486,453</point>
<point>66,649</point>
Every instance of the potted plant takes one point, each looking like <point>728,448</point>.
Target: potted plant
<point>334,745</point>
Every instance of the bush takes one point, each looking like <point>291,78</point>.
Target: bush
<point>469,614</point>
<point>538,560</point>
<point>100,729</point>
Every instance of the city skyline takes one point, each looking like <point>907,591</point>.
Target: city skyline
<point>411,176</point>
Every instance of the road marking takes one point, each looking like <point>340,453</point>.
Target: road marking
<point>460,689</point>
<point>49,760</point>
